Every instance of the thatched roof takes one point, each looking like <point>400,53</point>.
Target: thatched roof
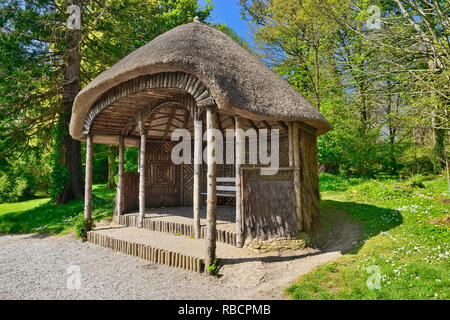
<point>239,82</point>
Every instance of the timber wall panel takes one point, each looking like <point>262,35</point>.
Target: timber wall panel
<point>309,179</point>
<point>268,203</point>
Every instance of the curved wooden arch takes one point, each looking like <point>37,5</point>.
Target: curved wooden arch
<point>184,101</point>
<point>167,80</point>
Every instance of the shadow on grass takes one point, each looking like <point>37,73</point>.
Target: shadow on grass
<point>51,219</point>
<point>342,226</point>
<point>374,219</point>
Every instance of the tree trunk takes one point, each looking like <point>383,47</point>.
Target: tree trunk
<point>88,187</point>
<point>197,170</point>
<point>291,144</point>
<point>68,146</point>
<point>111,167</point>
<point>440,135</point>
<point>297,183</point>
<point>211,190</point>
<point>143,143</point>
<point>120,195</point>
<point>240,154</point>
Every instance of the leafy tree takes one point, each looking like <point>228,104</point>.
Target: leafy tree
<point>43,65</point>
<point>378,70</point>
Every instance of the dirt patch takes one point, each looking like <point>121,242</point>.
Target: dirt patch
<point>444,221</point>
<point>267,276</point>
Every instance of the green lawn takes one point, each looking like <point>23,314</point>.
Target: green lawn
<point>405,238</point>
<point>41,216</point>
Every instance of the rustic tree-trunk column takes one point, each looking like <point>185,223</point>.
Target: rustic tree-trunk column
<point>120,194</point>
<point>211,191</point>
<point>197,162</point>
<point>142,172</point>
<point>297,185</point>
<point>88,183</point>
<point>240,151</point>
<point>139,158</point>
<point>291,143</point>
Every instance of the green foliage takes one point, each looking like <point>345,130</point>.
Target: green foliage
<point>131,160</point>
<point>22,178</point>
<point>375,86</point>
<point>411,252</point>
<point>129,24</point>
<point>417,181</point>
<point>384,190</point>
<point>79,223</point>
<point>33,58</point>
<point>100,162</point>
<point>13,189</point>
<point>82,226</point>
<point>330,182</point>
<point>215,268</point>
<point>60,174</point>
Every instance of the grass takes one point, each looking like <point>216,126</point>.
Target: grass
<point>404,240</point>
<point>41,216</point>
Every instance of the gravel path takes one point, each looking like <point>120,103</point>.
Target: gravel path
<point>36,267</point>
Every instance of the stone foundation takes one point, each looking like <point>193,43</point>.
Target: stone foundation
<point>275,244</point>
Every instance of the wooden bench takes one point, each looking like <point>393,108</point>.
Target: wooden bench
<point>225,187</point>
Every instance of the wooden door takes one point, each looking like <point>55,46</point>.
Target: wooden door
<point>163,177</point>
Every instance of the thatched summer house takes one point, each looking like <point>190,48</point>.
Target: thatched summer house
<point>196,73</point>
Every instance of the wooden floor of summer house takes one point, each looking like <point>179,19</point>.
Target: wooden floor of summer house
<point>168,237</point>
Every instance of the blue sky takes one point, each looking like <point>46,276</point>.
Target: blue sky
<point>227,12</point>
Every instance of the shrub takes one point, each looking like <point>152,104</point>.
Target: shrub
<point>329,182</point>
<point>417,181</point>
<point>214,268</point>
<point>15,188</point>
<point>384,190</point>
<point>82,226</point>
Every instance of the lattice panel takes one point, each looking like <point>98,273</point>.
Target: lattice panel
<point>284,152</point>
<point>163,183</point>
<point>188,183</point>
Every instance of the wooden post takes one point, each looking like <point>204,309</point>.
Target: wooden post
<point>291,143</point>
<point>240,153</point>
<point>197,162</point>
<point>120,195</point>
<point>88,183</point>
<point>211,191</point>
<point>139,158</point>
<point>142,171</point>
<point>297,185</point>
